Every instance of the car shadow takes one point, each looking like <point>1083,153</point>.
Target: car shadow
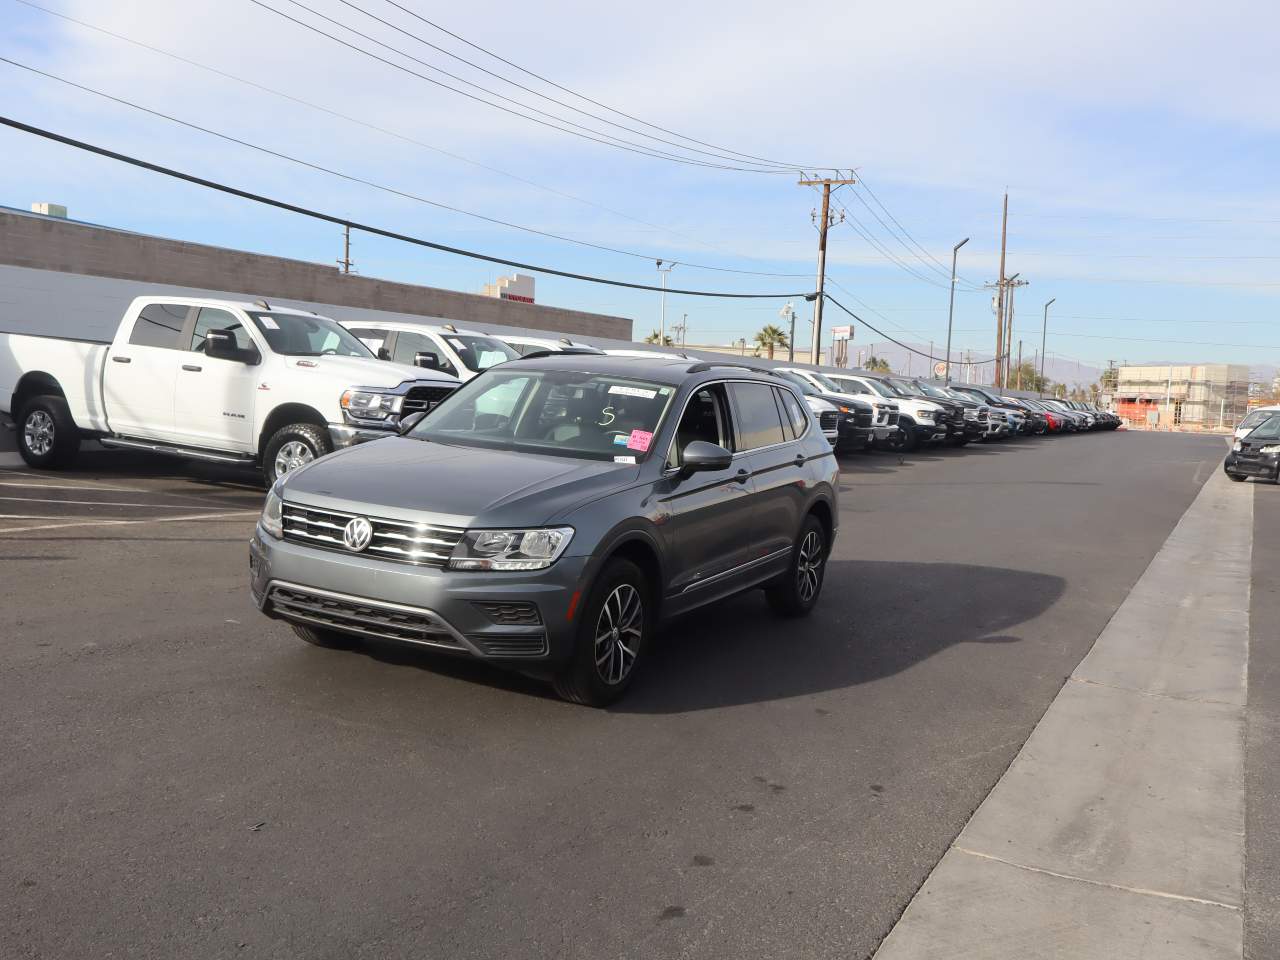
<point>873,621</point>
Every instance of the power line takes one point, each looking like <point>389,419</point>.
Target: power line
<point>369,228</point>
<point>612,141</point>
<point>918,353</point>
<point>351,178</point>
<point>941,266</point>
<point>363,123</point>
<point>859,228</point>
<point>537,76</point>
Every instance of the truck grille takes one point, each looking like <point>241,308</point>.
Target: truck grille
<point>424,398</point>
<point>369,618</point>
<point>892,418</point>
<point>829,420</point>
<point>416,543</point>
<point>863,418</point>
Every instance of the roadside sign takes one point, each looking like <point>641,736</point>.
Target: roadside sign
<point>940,369</point>
<point>842,333</point>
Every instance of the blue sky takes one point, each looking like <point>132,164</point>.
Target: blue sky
<point>1139,147</point>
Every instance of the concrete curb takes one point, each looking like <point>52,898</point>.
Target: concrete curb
<point>1118,830</point>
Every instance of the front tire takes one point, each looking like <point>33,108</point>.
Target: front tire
<point>319,637</point>
<point>613,633</point>
<point>796,594</point>
<point>47,436</point>
<point>291,447</point>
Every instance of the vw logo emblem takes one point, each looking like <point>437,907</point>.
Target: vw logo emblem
<point>357,534</point>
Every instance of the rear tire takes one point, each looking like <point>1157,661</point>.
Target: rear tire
<point>617,621</point>
<point>47,436</point>
<point>291,447</point>
<point>959,441</point>
<point>797,592</point>
<point>319,637</point>
<point>1236,477</point>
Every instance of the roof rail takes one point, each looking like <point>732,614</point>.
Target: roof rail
<point>705,365</point>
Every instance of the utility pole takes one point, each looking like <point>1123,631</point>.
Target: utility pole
<point>1043,332</point>
<point>345,262</point>
<point>823,223</point>
<point>1018,368</point>
<point>1004,364</point>
<point>788,313</point>
<point>951,310</point>
<point>1004,238</point>
<point>662,329</point>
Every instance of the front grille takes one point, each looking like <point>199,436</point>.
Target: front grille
<point>829,420</point>
<point>516,613</point>
<point>417,543</point>
<point>892,419</point>
<point>984,414</point>
<point>424,398</point>
<point>863,418</point>
<point>369,618</point>
<point>512,645</point>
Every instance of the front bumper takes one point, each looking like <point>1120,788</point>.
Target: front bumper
<point>418,605</point>
<point>348,435</point>
<point>1266,466</point>
<point>931,431</point>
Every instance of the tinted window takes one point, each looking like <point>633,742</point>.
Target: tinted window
<point>758,421</point>
<point>480,353</point>
<point>705,418</point>
<point>791,408</point>
<point>209,319</point>
<point>160,325</point>
<point>1269,430</point>
<point>409,345</point>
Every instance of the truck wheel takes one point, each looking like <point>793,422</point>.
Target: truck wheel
<point>292,447</point>
<point>616,624</point>
<point>909,440</point>
<point>796,592</point>
<point>959,441</point>
<point>47,436</point>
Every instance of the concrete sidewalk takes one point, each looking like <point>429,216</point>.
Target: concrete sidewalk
<point>1118,830</point>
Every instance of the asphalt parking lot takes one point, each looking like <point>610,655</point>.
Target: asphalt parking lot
<point>182,777</point>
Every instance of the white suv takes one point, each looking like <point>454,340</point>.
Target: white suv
<point>460,353</point>
<point>919,420</point>
<point>886,411</point>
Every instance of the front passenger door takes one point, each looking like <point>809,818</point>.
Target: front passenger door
<point>214,398</point>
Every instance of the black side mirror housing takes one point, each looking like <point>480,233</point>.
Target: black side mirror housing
<point>424,358</point>
<point>411,421</point>
<point>221,345</point>
<point>384,353</point>
<point>700,455</point>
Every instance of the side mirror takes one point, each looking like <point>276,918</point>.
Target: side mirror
<point>700,455</point>
<point>411,421</point>
<point>384,353</point>
<point>424,358</point>
<point>221,345</point>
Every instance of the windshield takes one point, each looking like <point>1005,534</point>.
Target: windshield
<point>1255,418</point>
<point>881,389</point>
<point>929,390</point>
<point>804,385</point>
<point>565,413</point>
<point>295,335</point>
<point>906,388</point>
<point>479,353</point>
<point>1269,429</point>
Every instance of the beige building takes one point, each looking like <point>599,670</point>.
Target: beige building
<point>1208,395</point>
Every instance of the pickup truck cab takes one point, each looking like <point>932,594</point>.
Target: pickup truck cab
<point>442,348</point>
<point>208,379</point>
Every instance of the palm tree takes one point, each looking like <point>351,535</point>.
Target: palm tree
<point>770,338</point>
<point>658,338</point>
<point>878,365</point>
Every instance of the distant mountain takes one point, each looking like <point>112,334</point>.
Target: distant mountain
<point>904,362</point>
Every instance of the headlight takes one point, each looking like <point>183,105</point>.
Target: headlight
<point>924,415</point>
<point>371,406</point>
<point>1271,448</point>
<point>510,549</point>
<point>271,521</point>
<point>970,414</point>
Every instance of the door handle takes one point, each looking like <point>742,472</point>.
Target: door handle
<point>192,367</point>
<point>122,359</point>
<point>799,460</point>
<point>742,476</point>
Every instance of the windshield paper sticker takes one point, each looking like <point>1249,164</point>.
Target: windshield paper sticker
<point>624,459</point>
<point>269,323</point>
<point>621,440</point>
<point>633,392</point>
<point>457,344</point>
<point>639,440</point>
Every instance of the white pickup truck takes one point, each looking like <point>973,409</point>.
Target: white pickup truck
<point>210,379</point>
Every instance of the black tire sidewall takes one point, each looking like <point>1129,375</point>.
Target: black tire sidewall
<point>580,681</point>
<point>66,437</point>
<point>317,438</point>
<point>784,595</point>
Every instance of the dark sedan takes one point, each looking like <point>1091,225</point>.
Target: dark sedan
<point>1257,455</point>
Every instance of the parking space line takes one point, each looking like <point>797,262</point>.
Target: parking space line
<point>45,480</point>
<point>100,503</point>
<point>221,515</point>
<point>44,485</point>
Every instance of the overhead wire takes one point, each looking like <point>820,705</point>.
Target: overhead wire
<point>351,178</point>
<point>370,228</point>
<point>871,193</point>
<point>894,340</point>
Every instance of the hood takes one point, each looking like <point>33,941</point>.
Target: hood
<point>838,400</point>
<point>419,480</point>
<point>367,372</point>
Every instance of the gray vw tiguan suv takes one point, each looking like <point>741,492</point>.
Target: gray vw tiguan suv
<point>550,513</point>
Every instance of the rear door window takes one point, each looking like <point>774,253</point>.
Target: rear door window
<point>160,325</point>
<point>759,423</point>
<point>795,416</point>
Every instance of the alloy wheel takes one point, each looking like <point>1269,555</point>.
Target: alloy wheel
<point>809,566</point>
<point>37,433</point>
<point>293,455</point>
<point>618,633</point>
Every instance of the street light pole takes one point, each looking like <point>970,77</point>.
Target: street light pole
<point>951,310</point>
<point>662,329</point>
<point>1043,332</point>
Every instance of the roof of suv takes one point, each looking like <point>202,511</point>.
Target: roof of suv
<point>660,369</point>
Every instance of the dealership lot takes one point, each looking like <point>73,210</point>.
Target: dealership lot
<point>190,779</point>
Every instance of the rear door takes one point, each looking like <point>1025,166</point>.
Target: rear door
<point>139,379</point>
<point>772,453</point>
<point>213,397</point>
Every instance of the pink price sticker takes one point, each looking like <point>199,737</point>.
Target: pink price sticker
<point>639,440</point>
